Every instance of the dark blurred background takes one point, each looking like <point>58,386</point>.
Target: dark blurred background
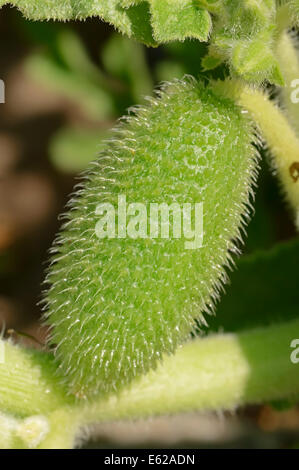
<point>65,85</point>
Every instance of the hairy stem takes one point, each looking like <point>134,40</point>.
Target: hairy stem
<point>28,384</point>
<point>283,16</point>
<point>286,17</point>
<point>288,58</point>
<point>277,132</point>
<point>281,140</point>
<point>217,372</point>
<point>8,438</point>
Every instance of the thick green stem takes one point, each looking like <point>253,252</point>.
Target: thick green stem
<point>277,132</point>
<point>217,372</point>
<point>28,384</point>
<point>283,16</point>
<point>8,438</point>
<point>288,58</point>
<point>286,17</point>
<point>281,140</point>
<point>56,431</point>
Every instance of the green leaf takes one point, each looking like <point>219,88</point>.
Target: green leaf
<point>245,18</point>
<point>170,19</point>
<point>212,60</point>
<point>178,20</point>
<point>129,3</point>
<point>255,61</point>
<point>213,6</point>
<point>133,21</point>
<point>244,35</point>
<point>263,290</point>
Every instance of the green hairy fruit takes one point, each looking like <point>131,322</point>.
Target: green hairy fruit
<point>116,305</point>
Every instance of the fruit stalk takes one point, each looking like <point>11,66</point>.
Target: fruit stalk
<point>275,130</point>
<point>213,373</point>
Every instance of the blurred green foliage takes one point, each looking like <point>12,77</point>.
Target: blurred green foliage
<point>72,148</point>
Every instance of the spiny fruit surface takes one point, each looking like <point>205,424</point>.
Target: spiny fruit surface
<point>116,305</point>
